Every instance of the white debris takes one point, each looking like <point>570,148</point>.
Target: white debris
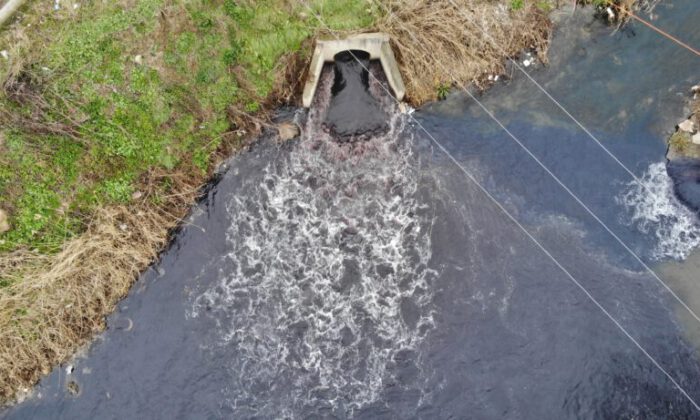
<point>688,126</point>
<point>611,14</point>
<point>76,5</point>
<point>5,54</point>
<point>138,59</point>
<point>56,4</point>
<point>527,62</point>
<point>490,77</point>
<point>695,89</point>
<point>496,77</point>
<point>123,226</point>
<point>69,369</point>
<point>405,108</point>
<point>696,138</point>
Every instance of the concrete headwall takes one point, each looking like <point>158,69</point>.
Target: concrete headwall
<point>375,44</point>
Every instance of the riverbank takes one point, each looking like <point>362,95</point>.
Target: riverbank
<point>685,142</point>
<point>114,114</point>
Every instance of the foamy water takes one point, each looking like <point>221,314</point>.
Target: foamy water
<point>329,276</point>
<point>654,209</point>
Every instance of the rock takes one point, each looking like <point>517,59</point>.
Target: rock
<point>4,223</point>
<point>136,195</point>
<point>696,139</point>
<point>688,126</point>
<point>287,130</point>
<point>138,59</point>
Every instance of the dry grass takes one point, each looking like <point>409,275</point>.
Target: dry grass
<point>439,43</point>
<point>45,320</point>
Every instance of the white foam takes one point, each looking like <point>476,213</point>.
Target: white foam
<point>328,277</point>
<point>654,209</point>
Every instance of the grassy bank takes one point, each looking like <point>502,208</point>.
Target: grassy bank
<point>114,112</point>
<point>95,96</point>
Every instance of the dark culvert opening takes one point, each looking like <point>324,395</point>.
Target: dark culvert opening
<point>353,112</point>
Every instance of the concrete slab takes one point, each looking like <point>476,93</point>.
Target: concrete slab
<point>375,44</point>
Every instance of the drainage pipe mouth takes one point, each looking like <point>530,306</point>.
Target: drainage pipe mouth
<point>348,58</point>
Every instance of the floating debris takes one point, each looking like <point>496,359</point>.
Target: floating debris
<point>73,388</point>
<point>611,14</point>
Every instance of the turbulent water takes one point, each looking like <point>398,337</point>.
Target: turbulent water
<point>654,209</point>
<point>326,281</point>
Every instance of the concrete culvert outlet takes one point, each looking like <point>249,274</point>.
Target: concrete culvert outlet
<point>375,46</point>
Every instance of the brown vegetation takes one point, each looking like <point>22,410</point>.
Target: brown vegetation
<point>441,42</point>
<point>45,320</point>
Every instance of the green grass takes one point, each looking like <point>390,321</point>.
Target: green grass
<point>145,85</point>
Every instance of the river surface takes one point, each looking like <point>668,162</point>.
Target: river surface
<point>326,280</point>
